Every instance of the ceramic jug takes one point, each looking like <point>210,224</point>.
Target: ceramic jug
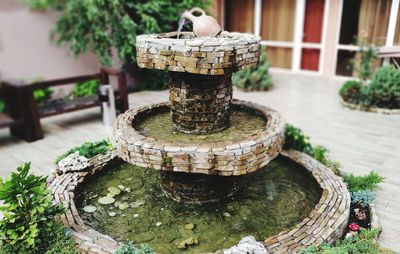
<point>203,25</point>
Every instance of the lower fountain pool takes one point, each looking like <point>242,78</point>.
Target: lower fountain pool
<point>273,199</point>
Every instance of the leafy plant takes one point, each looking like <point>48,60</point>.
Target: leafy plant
<point>255,78</point>
<point>101,25</point>
<point>364,65</point>
<point>362,197</point>
<point>56,241</point>
<point>130,248</point>
<point>384,89</point>
<point>358,183</point>
<point>350,91</point>
<point>363,242</point>
<point>2,105</point>
<point>296,139</point>
<point>42,94</point>
<point>28,210</point>
<point>86,88</point>
<point>88,149</point>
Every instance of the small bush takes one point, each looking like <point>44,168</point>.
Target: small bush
<point>87,88</point>
<point>42,94</point>
<point>362,197</point>
<point>296,139</point>
<point>88,149</point>
<point>254,78</point>
<point>2,105</point>
<point>28,211</point>
<point>384,89</point>
<point>358,183</point>
<point>130,248</point>
<point>364,242</point>
<point>350,91</point>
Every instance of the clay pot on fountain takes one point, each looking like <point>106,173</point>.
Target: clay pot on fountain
<point>200,66</point>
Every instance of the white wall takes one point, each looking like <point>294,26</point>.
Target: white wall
<point>25,49</point>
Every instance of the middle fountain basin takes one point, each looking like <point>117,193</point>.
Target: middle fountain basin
<point>225,158</point>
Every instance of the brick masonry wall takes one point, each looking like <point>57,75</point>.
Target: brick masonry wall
<point>198,55</point>
<point>200,103</point>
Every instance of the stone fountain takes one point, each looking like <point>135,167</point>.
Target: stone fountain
<point>200,103</point>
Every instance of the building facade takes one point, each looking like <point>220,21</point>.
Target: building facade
<point>316,37</point>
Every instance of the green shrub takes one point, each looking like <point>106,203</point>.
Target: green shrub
<point>2,105</point>
<point>56,241</point>
<point>384,89</point>
<point>296,139</point>
<point>88,149</point>
<point>130,248</point>
<point>86,88</point>
<point>350,91</point>
<point>362,197</point>
<point>358,183</point>
<point>363,65</point>
<point>42,94</point>
<point>254,78</point>
<point>114,24</point>
<point>28,211</point>
<point>361,243</point>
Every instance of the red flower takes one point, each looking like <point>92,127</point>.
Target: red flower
<point>354,227</point>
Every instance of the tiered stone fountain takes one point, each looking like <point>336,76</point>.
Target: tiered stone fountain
<point>206,147</point>
<point>200,102</point>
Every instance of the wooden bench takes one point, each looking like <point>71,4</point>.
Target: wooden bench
<point>392,52</point>
<point>23,113</point>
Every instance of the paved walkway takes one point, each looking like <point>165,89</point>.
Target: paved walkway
<point>361,141</point>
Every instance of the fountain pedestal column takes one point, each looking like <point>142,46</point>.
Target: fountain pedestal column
<point>200,103</point>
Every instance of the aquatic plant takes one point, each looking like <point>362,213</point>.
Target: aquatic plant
<point>130,248</point>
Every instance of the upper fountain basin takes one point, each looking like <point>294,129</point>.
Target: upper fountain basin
<point>199,55</point>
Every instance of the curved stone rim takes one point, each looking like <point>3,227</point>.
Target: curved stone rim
<point>325,223</point>
<point>219,158</point>
<point>200,55</point>
<point>354,106</point>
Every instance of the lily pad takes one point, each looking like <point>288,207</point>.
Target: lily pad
<point>112,214</point>
<point>123,206</point>
<point>90,209</point>
<point>110,195</point>
<point>137,203</point>
<point>121,187</point>
<point>158,224</point>
<point>189,226</point>
<point>114,191</point>
<point>106,200</point>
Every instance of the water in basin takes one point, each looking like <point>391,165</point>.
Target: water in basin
<point>242,125</point>
<point>274,198</point>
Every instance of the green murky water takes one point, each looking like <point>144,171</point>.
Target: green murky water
<point>275,198</point>
<point>242,126</point>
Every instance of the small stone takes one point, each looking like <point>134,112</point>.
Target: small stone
<point>114,191</point>
<point>135,215</point>
<point>158,224</point>
<point>112,214</point>
<point>187,242</point>
<point>189,226</point>
<point>121,187</point>
<point>106,200</point>
<point>90,209</point>
<point>226,215</point>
